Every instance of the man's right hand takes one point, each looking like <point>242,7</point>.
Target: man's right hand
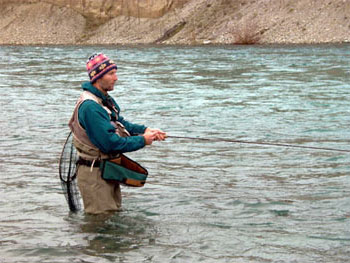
<point>149,136</point>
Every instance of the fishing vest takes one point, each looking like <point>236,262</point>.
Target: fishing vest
<point>85,148</point>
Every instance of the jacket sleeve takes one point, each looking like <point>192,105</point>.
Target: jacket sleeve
<point>95,120</point>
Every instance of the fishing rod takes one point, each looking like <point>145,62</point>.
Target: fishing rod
<point>257,143</point>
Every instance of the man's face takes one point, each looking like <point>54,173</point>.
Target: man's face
<point>106,83</point>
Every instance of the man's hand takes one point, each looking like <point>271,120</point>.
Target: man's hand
<point>151,135</point>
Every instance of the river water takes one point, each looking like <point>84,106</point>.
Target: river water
<point>204,201</point>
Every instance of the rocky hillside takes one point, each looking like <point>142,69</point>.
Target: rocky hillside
<point>89,22</point>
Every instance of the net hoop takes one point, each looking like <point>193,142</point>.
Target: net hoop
<point>67,174</point>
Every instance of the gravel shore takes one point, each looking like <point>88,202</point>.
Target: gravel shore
<point>195,22</point>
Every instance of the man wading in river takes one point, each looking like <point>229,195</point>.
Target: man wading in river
<point>101,133</point>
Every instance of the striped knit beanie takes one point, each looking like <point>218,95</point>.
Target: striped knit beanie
<point>98,65</point>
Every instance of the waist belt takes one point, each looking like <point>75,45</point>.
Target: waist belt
<point>88,163</point>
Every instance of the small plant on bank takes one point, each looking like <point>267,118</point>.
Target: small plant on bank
<point>246,33</point>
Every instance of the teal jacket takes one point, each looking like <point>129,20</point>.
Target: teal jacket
<point>96,122</point>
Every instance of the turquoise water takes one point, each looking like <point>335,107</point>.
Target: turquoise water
<point>204,201</point>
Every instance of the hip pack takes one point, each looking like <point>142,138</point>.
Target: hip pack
<point>123,170</point>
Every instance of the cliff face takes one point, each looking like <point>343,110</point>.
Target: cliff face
<point>173,21</point>
<point>104,10</point>
<point>39,23</point>
<point>107,9</point>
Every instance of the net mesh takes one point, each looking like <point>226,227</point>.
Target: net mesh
<point>67,173</point>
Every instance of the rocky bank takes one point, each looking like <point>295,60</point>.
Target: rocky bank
<point>188,22</point>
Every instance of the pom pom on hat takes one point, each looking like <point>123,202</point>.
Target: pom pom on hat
<point>98,65</point>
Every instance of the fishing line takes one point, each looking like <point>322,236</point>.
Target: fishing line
<point>258,143</point>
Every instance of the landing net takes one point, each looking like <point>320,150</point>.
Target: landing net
<point>67,173</point>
